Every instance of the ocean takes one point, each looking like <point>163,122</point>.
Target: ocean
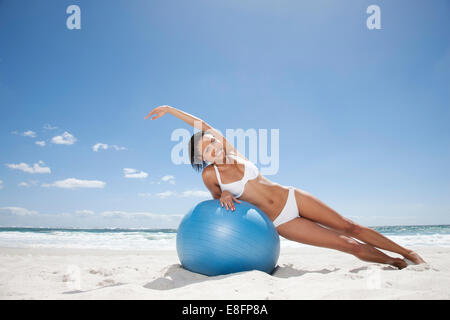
<point>165,239</point>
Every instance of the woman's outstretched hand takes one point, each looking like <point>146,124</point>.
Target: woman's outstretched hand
<point>226,199</point>
<point>158,112</point>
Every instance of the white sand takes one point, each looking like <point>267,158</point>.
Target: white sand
<point>303,273</point>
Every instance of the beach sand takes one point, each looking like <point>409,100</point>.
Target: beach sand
<point>302,273</point>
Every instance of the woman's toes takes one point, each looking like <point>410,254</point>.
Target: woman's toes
<point>414,257</point>
<point>400,263</point>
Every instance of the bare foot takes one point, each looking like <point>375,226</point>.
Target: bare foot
<point>399,263</point>
<point>414,257</point>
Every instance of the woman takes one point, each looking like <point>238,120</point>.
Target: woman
<point>296,214</point>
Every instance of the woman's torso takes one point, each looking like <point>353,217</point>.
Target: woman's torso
<point>268,196</point>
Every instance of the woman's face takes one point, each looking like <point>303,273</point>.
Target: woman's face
<point>212,149</point>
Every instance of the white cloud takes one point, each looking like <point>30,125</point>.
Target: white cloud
<point>196,194</point>
<point>184,194</point>
<point>145,194</point>
<point>105,146</point>
<point>40,143</point>
<point>29,133</point>
<point>17,211</point>
<point>134,174</point>
<point>114,214</point>
<point>127,215</point>
<point>170,179</point>
<point>65,138</point>
<point>88,219</point>
<point>165,194</point>
<point>117,148</point>
<point>84,213</point>
<point>141,215</point>
<point>73,183</point>
<point>37,167</point>
<point>1,184</point>
<point>100,146</point>
<point>49,127</point>
<point>28,184</point>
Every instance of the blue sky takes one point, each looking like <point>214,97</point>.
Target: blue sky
<point>362,114</point>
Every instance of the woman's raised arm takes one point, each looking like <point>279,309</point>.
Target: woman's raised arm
<point>193,122</point>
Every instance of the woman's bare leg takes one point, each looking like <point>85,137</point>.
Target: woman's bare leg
<point>308,232</point>
<point>315,210</point>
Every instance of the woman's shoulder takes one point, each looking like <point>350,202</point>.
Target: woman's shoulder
<point>208,170</point>
<point>209,174</point>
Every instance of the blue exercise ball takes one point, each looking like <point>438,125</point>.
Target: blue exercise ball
<point>214,241</point>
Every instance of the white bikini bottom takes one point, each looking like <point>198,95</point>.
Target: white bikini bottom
<point>290,210</point>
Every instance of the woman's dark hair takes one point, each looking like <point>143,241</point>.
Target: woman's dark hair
<point>196,157</point>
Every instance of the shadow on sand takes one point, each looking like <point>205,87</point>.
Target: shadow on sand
<point>175,276</point>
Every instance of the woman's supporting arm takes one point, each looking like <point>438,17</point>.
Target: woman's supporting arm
<point>209,177</point>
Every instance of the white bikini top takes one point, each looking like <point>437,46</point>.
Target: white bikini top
<point>237,188</point>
